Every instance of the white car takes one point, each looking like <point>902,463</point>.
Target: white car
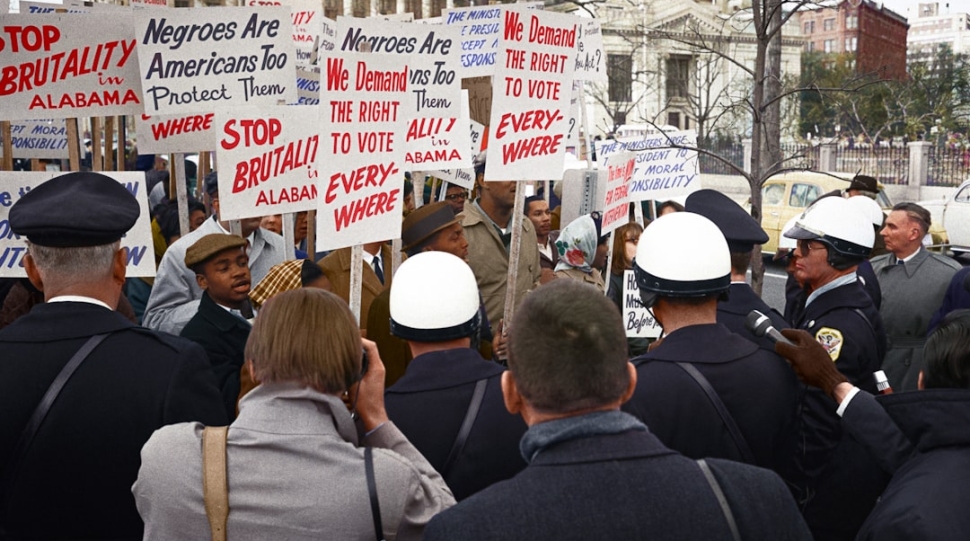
<point>951,218</point>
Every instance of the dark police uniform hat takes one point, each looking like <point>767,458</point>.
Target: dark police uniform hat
<point>740,230</point>
<point>75,210</point>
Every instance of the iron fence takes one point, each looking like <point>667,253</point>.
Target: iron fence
<point>730,152</point>
<point>948,166</point>
<point>890,165</point>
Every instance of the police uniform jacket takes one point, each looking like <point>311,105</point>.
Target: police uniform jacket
<point>75,480</point>
<point>622,486</point>
<point>911,294</point>
<point>733,314</point>
<point>223,337</point>
<point>956,297</point>
<point>757,387</point>
<point>428,405</point>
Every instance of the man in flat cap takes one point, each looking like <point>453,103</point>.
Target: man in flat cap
<point>221,269</point>
<point>176,294</point>
<point>82,388</point>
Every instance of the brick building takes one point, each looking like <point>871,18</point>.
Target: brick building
<point>875,36</point>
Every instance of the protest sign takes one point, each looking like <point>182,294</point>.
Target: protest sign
<point>137,242</point>
<point>163,134</point>
<point>63,65</point>
<point>590,59</point>
<point>43,139</point>
<point>662,171</point>
<point>481,28</point>
<point>307,87</point>
<point>530,99</point>
<point>434,138</point>
<point>465,177</point>
<point>268,159</point>
<point>196,60</point>
<point>36,8</point>
<point>307,17</point>
<point>143,4</point>
<point>575,120</point>
<point>4,7</point>
<point>362,179</point>
<point>639,321</point>
<point>328,37</point>
<point>616,204</point>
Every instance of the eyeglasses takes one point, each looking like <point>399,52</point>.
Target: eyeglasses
<point>804,248</point>
<point>457,196</point>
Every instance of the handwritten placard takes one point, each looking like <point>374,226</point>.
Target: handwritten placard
<point>662,169</point>
<point>268,160</point>
<point>137,243</point>
<point>639,321</point>
<point>307,17</point>
<point>64,65</point>
<point>162,134</point>
<point>481,27</point>
<point>195,60</point>
<point>362,179</point>
<point>590,58</point>
<point>531,96</point>
<point>43,139</point>
<point>616,203</point>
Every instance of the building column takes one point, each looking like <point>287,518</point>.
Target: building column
<point>746,144</point>
<point>919,168</point>
<point>826,158</point>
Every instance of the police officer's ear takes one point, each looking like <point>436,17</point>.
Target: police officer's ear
<point>119,266</point>
<point>32,273</point>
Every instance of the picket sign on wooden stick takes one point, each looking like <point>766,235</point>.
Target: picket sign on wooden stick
<point>638,212</point>
<point>288,222</point>
<point>418,194</point>
<point>202,172</point>
<point>235,228</point>
<point>311,234</point>
<point>7,135</point>
<point>514,249</point>
<point>356,279</point>
<point>97,164</point>
<point>73,142</point>
<point>609,263</point>
<point>395,255</point>
<point>178,167</point>
<point>434,189</point>
<point>545,190</point>
<point>443,191</point>
<point>122,143</point>
<point>109,143</point>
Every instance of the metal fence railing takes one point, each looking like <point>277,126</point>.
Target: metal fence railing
<point>890,165</point>
<point>731,152</point>
<point>948,166</point>
<point>799,156</point>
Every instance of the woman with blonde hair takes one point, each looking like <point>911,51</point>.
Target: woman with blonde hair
<point>293,464</point>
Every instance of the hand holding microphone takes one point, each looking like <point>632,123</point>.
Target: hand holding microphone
<point>760,325</point>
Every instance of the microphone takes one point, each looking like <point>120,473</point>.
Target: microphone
<point>760,325</point>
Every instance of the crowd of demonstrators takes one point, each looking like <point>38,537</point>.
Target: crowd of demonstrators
<point>692,438</point>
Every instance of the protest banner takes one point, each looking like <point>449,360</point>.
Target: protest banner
<point>4,7</point>
<point>616,204</point>
<point>137,242</point>
<point>465,177</point>
<point>164,134</point>
<point>43,139</point>
<point>639,321</point>
<point>663,170</point>
<point>328,37</point>
<point>590,59</point>
<point>362,181</point>
<point>61,66</point>
<point>149,4</point>
<point>307,87</point>
<point>480,31</point>
<point>268,159</point>
<point>307,15</point>
<point>530,100</point>
<point>197,60</point>
<point>434,137</point>
<point>38,8</point>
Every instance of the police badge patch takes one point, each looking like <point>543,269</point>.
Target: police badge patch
<point>831,340</point>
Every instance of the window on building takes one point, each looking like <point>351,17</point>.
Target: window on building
<point>678,76</point>
<point>619,71</point>
<point>388,7</point>
<point>810,27</point>
<point>619,118</point>
<point>851,44</point>
<point>852,22</point>
<point>828,24</point>
<point>332,8</point>
<point>811,46</point>
<point>437,6</point>
<point>829,46</point>
<point>673,119</point>
<point>413,6</point>
<point>361,8</point>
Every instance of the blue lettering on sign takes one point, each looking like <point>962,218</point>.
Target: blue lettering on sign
<point>135,253</point>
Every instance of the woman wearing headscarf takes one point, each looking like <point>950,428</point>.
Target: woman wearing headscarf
<point>582,252</point>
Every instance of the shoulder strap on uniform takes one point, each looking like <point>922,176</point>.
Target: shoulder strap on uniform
<point>864,318</point>
<point>375,504</point>
<point>726,418</point>
<point>215,486</point>
<point>721,499</point>
<point>466,425</point>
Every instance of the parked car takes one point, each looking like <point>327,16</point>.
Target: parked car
<point>785,195</point>
<point>951,218</point>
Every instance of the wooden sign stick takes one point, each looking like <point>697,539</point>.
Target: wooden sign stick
<point>73,144</point>
<point>109,143</point>
<point>97,164</point>
<point>178,167</point>
<point>7,135</point>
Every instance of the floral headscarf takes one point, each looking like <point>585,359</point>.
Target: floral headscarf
<point>577,245</point>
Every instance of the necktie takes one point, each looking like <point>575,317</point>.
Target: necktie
<point>900,262</point>
<point>377,269</point>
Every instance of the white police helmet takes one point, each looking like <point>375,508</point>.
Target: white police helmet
<point>835,222</point>
<point>868,208</point>
<point>785,243</point>
<point>682,255</point>
<point>434,298</point>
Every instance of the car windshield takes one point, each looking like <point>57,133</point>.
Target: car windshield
<point>772,194</point>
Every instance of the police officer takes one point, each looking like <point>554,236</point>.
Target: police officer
<point>81,387</point>
<point>449,401</point>
<point>741,232</point>
<point>833,237</point>
<point>704,390</point>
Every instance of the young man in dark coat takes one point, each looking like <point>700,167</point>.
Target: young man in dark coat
<point>595,472</point>
<point>72,479</point>
<point>449,401</point>
<point>222,271</point>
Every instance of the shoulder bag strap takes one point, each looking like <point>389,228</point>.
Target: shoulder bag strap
<point>726,418</point>
<point>466,426</point>
<point>721,499</point>
<point>375,504</point>
<point>40,412</point>
<point>215,486</point>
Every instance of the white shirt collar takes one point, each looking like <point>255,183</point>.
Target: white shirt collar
<point>251,238</point>
<point>79,298</point>
<point>369,258</point>
<point>911,256</point>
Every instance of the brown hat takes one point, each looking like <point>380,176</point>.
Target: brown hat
<point>211,245</point>
<point>864,183</point>
<point>426,221</point>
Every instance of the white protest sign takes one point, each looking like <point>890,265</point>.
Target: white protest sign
<point>164,134</point>
<point>43,139</point>
<point>530,98</point>
<point>195,60</point>
<point>62,65</point>
<point>36,8</point>
<point>661,172</point>
<point>307,87</point>
<point>434,137</point>
<point>481,27</point>
<point>143,4</point>
<point>328,38</point>
<point>406,17</point>
<point>616,204</point>
<point>590,59</point>
<point>362,179</point>
<point>639,321</point>
<point>137,242</point>
<point>465,177</point>
<point>459,177</point>
<point>4,7</point>
<point>307,17</point>
<point>575,121</point>
<point>268,160</point>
